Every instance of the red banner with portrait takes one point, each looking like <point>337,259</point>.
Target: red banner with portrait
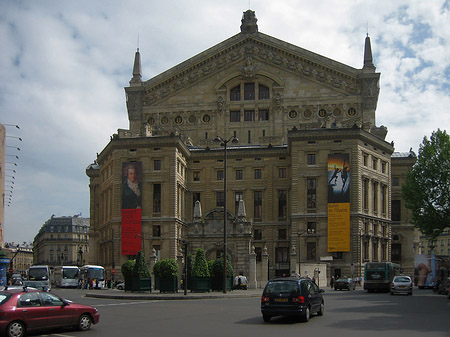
<point>131,208</point>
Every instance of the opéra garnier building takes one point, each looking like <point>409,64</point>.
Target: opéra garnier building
<point>308,171</point>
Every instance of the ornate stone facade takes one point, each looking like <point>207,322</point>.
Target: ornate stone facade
<point>290,109</point>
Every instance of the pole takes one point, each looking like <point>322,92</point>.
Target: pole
<point>225,219</point>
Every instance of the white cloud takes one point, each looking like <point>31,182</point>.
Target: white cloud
<point>64,65</point>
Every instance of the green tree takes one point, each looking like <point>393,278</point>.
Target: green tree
<point>427,188</point>
<point>141,269</point>
<point>200,267</point>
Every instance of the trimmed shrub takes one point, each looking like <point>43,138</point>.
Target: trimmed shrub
<point>200,267</point>
<point>166,268</point>
<point>127,268</point>
<point>141,269</point>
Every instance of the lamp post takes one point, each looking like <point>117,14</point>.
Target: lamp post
<point>224,142</point>
<point>80,253</point>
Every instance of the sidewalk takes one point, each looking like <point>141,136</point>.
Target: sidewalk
<point>156,295</point>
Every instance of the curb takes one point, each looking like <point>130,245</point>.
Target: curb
<point>174,296</point>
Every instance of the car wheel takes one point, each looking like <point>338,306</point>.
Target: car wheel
<point>307,314</point>
<point>266,318</point>
<point>321,310</point>
<point>15,329</point>
<point>84,322</point>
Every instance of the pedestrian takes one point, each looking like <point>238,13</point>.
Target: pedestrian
<point>332,281</point>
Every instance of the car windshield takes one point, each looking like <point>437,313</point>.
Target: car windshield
<point>342,280</point>
<point>402,279</point>
<point>282,287</point>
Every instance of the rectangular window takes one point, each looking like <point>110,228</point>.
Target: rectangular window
<point>235,116</point>
<point>365,158</point>
<point>375,163</point>
<point>395,181</point>
<point>365,191</point>
<point>219,174</point>
<point>375,197</point>
<point>257,234</point>
<point>157,164</point>
<point>249,115</point>
<point>383,167</point>
<point>219,199</point>
<point>311,193</point>
<point>238,196</point>
<point>310,251</point>
<point>263,92</point>
<point>282,172</point>
<point>263,114</point>
<point>282,235</point>
<point>311,159</point>
<point>196,175</point>
<point>257,202</point>
<point>235,93</point>
<point>383,198</point>
<point>156,231</point>
<point>281,254</point>
<point>249,91</point>
<point>311,228</point>
<point>258,173</point>
<point>396,210</point>
<point>239,175</point>
<point>249,136</point>
<point>282,203</point>
<point>156,198</point>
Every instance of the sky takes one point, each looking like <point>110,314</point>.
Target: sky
<point>64,66</point>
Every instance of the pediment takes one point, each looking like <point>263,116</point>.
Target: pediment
<point>245,55</point>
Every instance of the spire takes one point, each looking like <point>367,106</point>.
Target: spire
<point>248,21</point>
<point>137,71</point>
<point>368,61</point>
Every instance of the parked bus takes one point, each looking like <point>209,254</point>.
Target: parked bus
<point>379,275</point>
<point>39,277</point>
<point>66,276</point>
<point>94,274</point>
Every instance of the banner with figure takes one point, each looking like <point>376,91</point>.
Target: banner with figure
<point>131,208</point>
<point>339,202</point>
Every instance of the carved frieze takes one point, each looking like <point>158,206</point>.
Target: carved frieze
<point>248,52</point>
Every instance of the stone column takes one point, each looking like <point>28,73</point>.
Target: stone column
<point>252,283</point>
<point>293,262</point>
<point>264,268</point>
<point>153,258</point>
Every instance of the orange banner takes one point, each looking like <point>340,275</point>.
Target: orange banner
<point>339,227</point>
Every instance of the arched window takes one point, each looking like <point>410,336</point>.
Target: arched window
<point>263,92</point>
<point>235,93</point>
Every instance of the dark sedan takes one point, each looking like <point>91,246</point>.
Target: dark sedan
<point>25,309</point>
<point>344,283</point>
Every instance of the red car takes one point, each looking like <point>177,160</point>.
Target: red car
<point>25,309</point>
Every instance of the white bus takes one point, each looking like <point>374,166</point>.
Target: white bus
<point>94,275</point>
<point>39,277</point>
<point>66,276</point>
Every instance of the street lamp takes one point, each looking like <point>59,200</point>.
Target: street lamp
<point>224,142</point>
<point>80,252</point>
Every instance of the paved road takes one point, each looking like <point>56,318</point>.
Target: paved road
<point>347,314</point>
